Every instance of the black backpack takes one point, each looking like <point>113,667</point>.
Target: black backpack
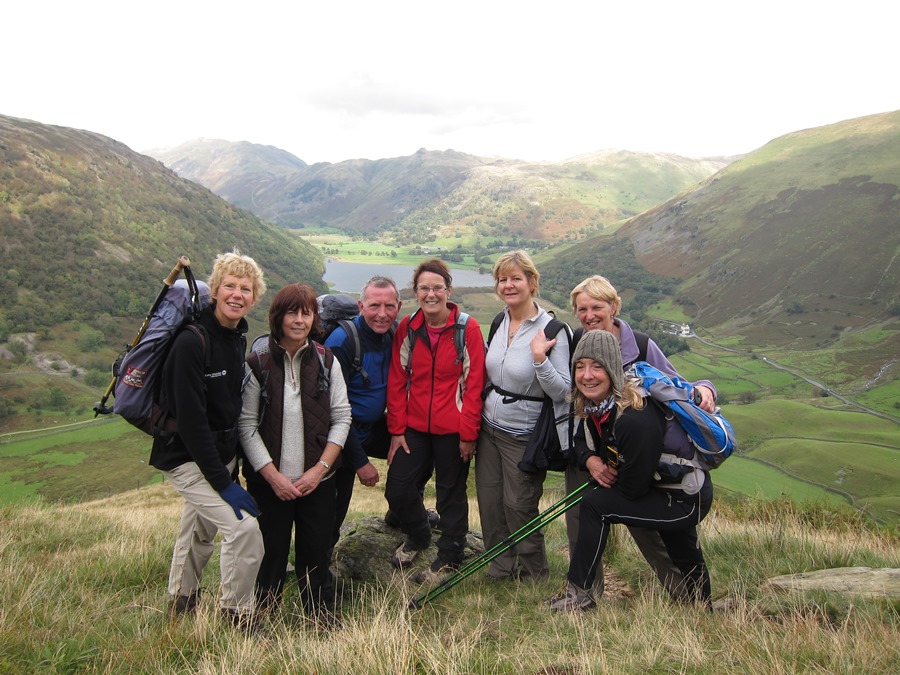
<point>332,309</point>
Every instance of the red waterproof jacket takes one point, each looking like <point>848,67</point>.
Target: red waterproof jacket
<point>438,395</point>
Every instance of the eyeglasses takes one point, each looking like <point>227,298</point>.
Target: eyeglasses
<point>428,289</point>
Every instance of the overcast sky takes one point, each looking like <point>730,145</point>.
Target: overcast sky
<point>342,79</point>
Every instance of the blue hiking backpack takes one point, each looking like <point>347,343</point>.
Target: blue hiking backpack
<point>710,434</point>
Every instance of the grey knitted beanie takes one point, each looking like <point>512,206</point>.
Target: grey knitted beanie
<point>603,347</point>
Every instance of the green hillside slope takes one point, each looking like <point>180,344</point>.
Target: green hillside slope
<point>88,227</point>
<point>793,245</point>
<point>792,240</point>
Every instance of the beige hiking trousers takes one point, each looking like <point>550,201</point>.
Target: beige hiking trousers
<point>205,513</point>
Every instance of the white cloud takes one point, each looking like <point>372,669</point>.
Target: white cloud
<point>534,80</point>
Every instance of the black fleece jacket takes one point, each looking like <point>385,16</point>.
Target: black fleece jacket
<point>638,438</point>
<point>205,401</point>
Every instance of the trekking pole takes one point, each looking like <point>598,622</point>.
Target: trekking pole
<point>532,526</point>
<point>182,264</point>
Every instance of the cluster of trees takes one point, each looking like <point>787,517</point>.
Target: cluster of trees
<point>337,251</point>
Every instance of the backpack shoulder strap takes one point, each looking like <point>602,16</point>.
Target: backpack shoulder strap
<point>551,330</point>
<point>352,331</point>
<point>643,340</point>
<point>459,336</point>
<point>200,331</point>
<point>411,336</point>
<point>258,365</point>
<point>323,354</point>
<point>161,415</point>
<point>495,324</point>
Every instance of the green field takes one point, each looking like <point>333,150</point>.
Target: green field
<point>868,472</point>
<point>850,452</point>
<point>777,418</point>
<point>885,397</point>
<point>757,480</point>
<point>75,465</point>
<point>351,249</point>
<point>733,374</point>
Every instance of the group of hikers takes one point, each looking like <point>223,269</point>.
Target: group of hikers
<point>429,395</point>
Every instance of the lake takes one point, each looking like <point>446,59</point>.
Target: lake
<point>349,277</point>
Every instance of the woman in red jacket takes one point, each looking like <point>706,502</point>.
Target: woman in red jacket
<point>433,414</point>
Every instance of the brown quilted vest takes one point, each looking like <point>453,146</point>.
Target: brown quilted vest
<point>315,400</point>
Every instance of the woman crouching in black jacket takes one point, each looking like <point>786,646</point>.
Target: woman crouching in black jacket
<point>621,429</point>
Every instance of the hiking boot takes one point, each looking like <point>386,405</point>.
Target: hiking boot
<point>434,574</point>
<point>404,555</point>
<point>245,621</point>
<point>573,598</point>
<point>391,519</point>
<point>180,605</point>
<point>434,519</point>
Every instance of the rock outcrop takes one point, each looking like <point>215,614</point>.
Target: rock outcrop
<point>366,546</point>
<point>864,582</point>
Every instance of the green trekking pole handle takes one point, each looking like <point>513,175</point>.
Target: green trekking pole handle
<point>182,264</point>
<point>535,524</point>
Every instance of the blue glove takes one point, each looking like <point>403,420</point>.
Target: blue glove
<point>239,499</point>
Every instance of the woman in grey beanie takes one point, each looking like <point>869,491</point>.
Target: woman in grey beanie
<point>596,304</point>
<point>620,428</point>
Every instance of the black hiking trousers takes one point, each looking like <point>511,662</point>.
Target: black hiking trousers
<point>438,453</point>
<point>672,513</point>
<point>374,441</point>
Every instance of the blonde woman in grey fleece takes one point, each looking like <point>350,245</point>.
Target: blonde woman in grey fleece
<point>520,361</point>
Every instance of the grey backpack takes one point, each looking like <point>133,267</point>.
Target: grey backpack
<point>138,371</point>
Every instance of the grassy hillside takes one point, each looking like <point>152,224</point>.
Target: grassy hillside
<point>90,228</point>
<point>792,240</point>
<point>790,251</point>
<point>84,590</point>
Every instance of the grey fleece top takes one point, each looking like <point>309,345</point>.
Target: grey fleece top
<point>510,366</point>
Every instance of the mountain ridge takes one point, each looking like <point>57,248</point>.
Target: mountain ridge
<point>432,191</point>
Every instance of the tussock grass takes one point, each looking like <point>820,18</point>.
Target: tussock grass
<point>84,590</point>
